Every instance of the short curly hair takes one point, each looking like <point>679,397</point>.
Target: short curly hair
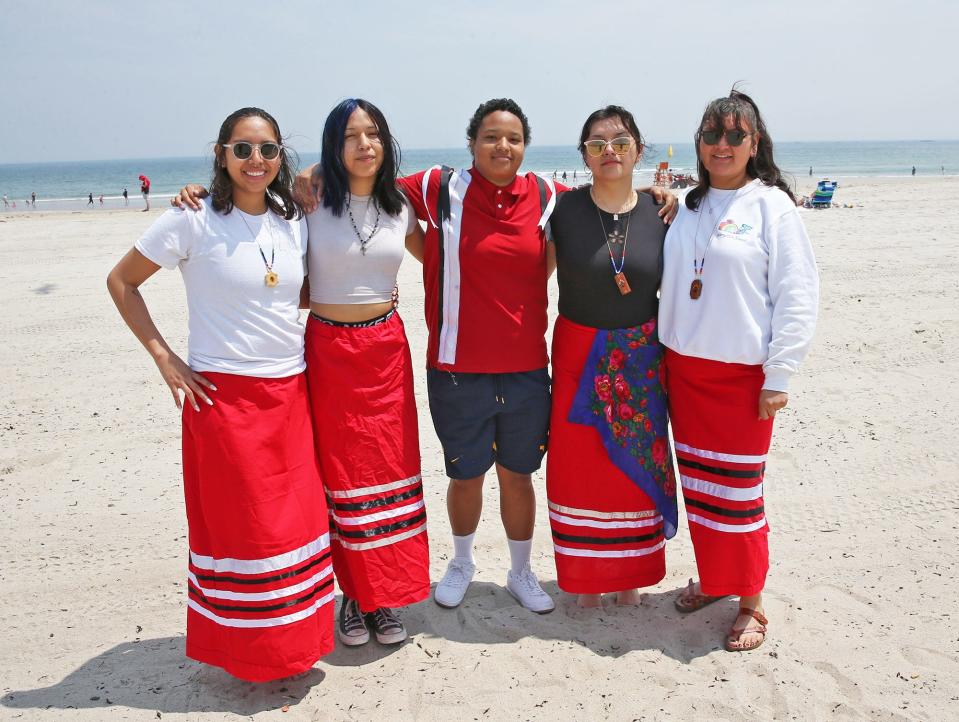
<point>491,106</point>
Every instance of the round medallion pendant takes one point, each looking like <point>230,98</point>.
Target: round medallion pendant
<point>271,279</point>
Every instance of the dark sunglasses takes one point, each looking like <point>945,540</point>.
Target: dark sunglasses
<point>735,138</point>
<point>243,150</point>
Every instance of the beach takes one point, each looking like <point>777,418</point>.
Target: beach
<point>861,493</point>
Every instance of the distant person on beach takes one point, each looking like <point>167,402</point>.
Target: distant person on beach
<point>90,199</point>
<point>810,171</point>
<point>914,170</point>
<point>145,191</point>
<point>33,199</point>
<point>6,203</point>
<point>126,197</point>
<point>608,421</point>
<point>101,199</point>
<point>260,590</point>
<point>564,176</point>
<point>735,334</point>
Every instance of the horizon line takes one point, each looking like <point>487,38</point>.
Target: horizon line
<point>464,147</point>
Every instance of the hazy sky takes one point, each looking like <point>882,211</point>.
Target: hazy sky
<point>98,80</point>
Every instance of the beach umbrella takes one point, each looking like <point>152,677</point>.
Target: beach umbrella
<point>144,178</point>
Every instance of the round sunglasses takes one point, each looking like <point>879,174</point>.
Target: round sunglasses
<point>244,151</point>
<point>735,137</point>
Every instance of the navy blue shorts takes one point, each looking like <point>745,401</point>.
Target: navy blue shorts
<point>486,418</point>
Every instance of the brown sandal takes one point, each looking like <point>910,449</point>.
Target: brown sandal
<point>736,634</point>
<point>689,601</point>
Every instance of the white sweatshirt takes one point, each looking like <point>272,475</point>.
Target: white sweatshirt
<point>760,285</point>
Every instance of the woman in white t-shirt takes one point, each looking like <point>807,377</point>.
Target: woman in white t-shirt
<point>740,293</point>
<point>260,585</point>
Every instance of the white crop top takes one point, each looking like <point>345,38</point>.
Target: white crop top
<point>339,270</point>
<point>238,324</point>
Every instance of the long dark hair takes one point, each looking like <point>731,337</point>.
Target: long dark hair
<point>744,110</point>
<point>610,111</point>
<point>279,195</point>
<point>336,180</point>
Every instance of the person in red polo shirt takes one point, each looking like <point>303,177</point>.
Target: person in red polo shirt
<point>484,269</point>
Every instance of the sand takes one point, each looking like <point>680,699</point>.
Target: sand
<point>862,495</point>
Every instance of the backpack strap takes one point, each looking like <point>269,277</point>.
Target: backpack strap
<point>442,214</point>
<point>547,199</point>
<point>443,198</point>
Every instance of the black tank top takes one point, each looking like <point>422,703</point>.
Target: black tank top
<point>588,295</point>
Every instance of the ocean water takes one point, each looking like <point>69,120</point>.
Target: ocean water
<point>66,185</point>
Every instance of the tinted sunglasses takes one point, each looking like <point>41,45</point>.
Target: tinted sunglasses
<point>595,148</point>
<point>243,150</point>
<point>735,138</point>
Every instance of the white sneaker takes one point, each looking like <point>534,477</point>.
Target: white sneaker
<point>526,590</point>
<point>452,587</point>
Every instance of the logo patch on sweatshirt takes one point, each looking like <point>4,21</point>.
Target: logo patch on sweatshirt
<point>729,228</point>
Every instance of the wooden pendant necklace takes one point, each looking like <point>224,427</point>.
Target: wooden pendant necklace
<point>696,287</point>
<point>272,278</point>
<point>615,237</point>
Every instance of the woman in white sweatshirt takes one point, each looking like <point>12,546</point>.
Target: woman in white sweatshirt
<point>740,293</point>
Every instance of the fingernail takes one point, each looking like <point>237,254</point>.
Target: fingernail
<point>212,387</point>
<point>209,402</point>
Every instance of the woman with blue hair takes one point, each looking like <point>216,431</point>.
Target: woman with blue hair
<point>361,377</point>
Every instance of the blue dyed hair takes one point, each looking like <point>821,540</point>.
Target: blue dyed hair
<point>336,181</point>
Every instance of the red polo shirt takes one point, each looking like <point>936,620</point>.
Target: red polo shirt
<point>486,284</point>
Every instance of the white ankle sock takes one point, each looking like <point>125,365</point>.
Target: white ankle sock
<point>463,547</point>
<point>519,552</point>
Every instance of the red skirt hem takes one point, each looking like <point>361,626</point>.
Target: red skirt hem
<point>253,672</point>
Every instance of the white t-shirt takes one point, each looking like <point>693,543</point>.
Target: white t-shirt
<point>760,285</point>
<point>339,270</point>
<point>238,324</point>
